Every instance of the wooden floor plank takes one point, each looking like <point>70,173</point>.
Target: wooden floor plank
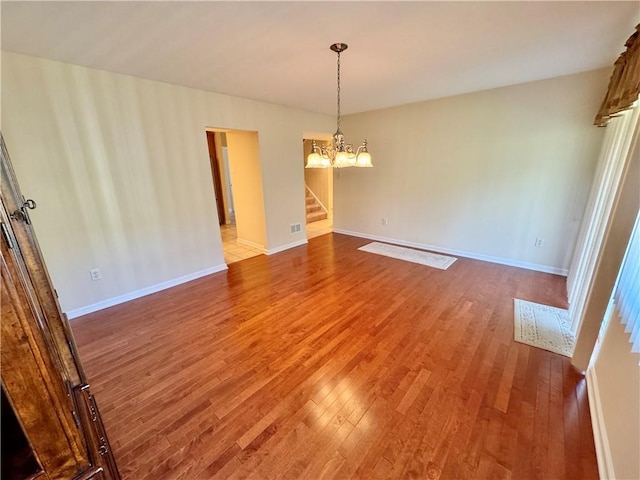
<point>327,362</point>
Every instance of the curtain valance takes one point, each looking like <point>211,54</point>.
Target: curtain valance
<point>624,86</point>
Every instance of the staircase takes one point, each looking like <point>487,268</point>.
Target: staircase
<point>315,211</point>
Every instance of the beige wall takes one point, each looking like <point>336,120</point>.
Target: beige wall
<point>482,174</point>
<point>618,379</point>
<point>246,177</point>
<point>120,170</point>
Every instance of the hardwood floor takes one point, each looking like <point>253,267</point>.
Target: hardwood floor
<point>327,362</point>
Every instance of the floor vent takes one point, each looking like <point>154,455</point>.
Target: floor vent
<point>295,228</point>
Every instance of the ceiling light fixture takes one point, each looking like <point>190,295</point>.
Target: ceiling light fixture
<point>338,154</point>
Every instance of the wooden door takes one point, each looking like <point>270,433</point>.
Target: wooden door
<point>217,180</point>
<point>42,376</point>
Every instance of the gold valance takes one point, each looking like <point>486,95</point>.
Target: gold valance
<point>624,86</point>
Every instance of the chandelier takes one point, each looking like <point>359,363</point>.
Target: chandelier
<point>338,154</point>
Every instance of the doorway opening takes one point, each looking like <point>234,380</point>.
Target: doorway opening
<point>237,182</point>
<point>318,184</point>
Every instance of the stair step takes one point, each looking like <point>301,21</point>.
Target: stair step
<point>314,208</point>
<point>316,216</point>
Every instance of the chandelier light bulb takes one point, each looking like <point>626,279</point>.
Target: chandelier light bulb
<point>314,160</point>
<point>342,160</point>
<point>364,160</point>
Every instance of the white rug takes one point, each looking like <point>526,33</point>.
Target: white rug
<point>410,255</point>
<point>544,327</point>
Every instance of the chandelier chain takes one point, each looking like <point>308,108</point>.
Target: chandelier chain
<point>338,90</point>
<point>337,153</point>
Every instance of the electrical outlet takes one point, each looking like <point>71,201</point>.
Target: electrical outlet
<point>539,242</point>
<point>96,274</point>
<point>385,222</point>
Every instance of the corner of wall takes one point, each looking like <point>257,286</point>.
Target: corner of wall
<point>603,450</point>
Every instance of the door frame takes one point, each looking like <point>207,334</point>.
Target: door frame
<point>217,181</point>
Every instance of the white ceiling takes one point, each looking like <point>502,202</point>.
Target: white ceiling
<point>399,52</point>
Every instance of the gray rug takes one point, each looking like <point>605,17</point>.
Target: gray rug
<point>410,255</point>
<point>544,327</point>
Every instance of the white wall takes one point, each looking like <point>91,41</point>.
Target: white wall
<point>482,174</point>
<point>617,379</point>
<point>613,377</point>
<point>120,170</point>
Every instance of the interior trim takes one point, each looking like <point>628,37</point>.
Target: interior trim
<point>459,253</point>
<point>600,438</point>
<point>142,292</point>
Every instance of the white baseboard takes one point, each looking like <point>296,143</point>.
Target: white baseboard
<point>251,244</point>
<point>459,253</point>
<point>603,451</point>
<point>282,248</point>
<point>78,312</point>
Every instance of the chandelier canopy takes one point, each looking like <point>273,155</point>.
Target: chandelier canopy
<point>338,154</point>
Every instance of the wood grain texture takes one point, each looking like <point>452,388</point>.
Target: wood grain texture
<point>32,382</point>
<point>327,362</point>
<point>41,374</point>
<point>38,276</point>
